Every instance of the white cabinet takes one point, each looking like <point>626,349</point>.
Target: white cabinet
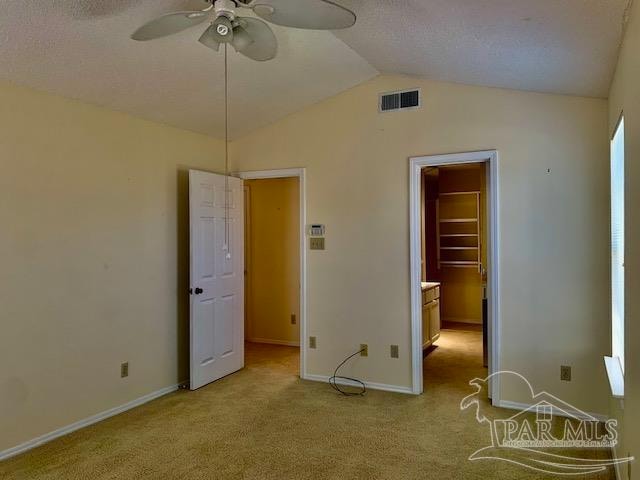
<point>434,320</point>
<point>430,315</point>
<point>426,329</point>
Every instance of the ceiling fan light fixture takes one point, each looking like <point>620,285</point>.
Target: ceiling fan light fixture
<point>241,39</point>
<point>223,29</point>
<point>208,39</point>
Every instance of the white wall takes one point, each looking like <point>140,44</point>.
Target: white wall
<point>94,259</point>
<point>553,224</point>
<point>625,97</point>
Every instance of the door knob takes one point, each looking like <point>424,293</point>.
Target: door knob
<point>199,291</point>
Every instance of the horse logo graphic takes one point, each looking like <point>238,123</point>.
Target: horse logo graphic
<point>529,437</point>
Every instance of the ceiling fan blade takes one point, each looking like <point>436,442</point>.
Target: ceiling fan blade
<point>264,46</point>
<point>310,14</point>
<point>169,24</point>
<point>209,38</point>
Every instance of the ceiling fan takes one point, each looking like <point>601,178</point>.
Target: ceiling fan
<point>250,36</point>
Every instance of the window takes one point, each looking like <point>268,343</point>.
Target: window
<point>544,412</point>
<point>617,244</point>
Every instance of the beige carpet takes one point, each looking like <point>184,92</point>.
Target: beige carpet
<point>265,423</point>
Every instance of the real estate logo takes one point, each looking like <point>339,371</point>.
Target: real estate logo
<point>534,439</point>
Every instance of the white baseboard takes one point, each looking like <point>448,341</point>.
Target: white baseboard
<point>274,342</point>
<point>372,386</point>
<point>556,411</point>
<point>47,437</point>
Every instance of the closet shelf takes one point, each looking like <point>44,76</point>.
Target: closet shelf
<point>452,235</point>
<point>458,220</point>
<point>458,248</point>
<point>458,193</point>
<point>459,263</point>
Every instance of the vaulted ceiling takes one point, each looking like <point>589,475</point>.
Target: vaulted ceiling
<point>81,49</point>
<point>555,46</point>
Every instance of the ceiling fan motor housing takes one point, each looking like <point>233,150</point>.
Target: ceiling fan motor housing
<point>226,8</point>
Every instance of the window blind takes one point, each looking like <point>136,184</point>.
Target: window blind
<point>617,243</point>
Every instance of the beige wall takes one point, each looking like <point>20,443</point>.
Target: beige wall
<point>273,260</point>
<point>94,239</point>
<point>94,259</point>
<point>554,271</point>
<point>625,96</point>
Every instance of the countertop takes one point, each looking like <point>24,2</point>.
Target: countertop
<point>429,285</point>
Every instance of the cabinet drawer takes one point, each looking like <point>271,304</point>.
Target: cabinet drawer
<point>429,295</point>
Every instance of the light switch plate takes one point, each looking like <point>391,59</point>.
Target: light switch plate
<point>312,342</point>
<point>316,230</point>
<point>395,351</point>
<point>565,373</point>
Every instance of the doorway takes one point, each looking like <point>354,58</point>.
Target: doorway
<point>454,270</point>
<point>274,269</point>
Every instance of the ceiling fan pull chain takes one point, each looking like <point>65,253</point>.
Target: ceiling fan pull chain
<point>226,150</point>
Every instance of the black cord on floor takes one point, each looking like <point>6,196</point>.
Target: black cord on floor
<point>334,384</point>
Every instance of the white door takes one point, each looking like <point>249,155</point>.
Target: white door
<point>217,280</point>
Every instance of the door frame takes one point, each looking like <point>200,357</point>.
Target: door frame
<point>300,174</point>
<point>493,253</point>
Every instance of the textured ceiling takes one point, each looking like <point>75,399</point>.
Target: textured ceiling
<point>81,49</point>
<point>559,46</point>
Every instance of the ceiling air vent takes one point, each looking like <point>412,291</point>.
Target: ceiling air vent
<point>402,100</point>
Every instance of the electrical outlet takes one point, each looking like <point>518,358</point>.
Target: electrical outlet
<point>293,319</point>
<point>565,373</point>
<point>312,342</point>
<point>316,243</point>
<point>364,350</point>
<point>124,370</point>
<point>395,353</point>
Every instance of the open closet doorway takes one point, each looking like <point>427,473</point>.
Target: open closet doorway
<point>454,269</point>
<point>273,264</point>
